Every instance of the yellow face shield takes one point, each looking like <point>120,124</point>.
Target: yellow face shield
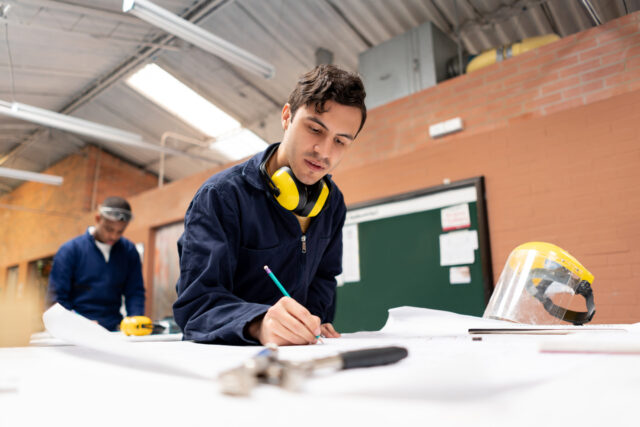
<point>539,283</point>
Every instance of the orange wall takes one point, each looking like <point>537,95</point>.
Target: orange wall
<point>571,178</point>
<point>555,131</point>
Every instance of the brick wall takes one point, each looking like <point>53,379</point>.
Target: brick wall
<point>576,70</point>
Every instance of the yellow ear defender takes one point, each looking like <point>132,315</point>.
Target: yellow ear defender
<point>293,195</point>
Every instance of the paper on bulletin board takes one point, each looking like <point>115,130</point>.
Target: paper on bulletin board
<point>459,275</point>
<point>458,247</point>
<point>350,254</point>
<point>455,217</point>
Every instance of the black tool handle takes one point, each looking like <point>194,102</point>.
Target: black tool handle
<point>372,357</point>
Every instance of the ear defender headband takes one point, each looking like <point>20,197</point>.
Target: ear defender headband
<point>293,195</point>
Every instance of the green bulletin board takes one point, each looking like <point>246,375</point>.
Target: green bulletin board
<point>392,255</point>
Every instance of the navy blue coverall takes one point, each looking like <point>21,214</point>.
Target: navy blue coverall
<point>233,228</point>
<point>81,280</point>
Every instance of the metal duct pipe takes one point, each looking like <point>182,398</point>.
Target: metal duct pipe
<point>591,12</point>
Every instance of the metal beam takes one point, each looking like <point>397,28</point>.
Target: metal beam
<point>502,13</point>
<point>195,13</point>
<point>591,12</point>
<point>45,71</point>
<point>81,10</point>
<point>90,37</point>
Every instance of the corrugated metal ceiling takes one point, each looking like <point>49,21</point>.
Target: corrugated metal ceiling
<point>72,57</point>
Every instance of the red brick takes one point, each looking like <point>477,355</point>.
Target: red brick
<point>518,98</point>
<point>563,105</point>
<point>633,86</point>
<point>633,63</point>
<point>512,111</point>
<point>613,58</point>
<point>603,72</point>
<point>560,84</point>
<point>517,79</point>
<point>632,51</point>
<point>571,49</point>
<point>604,94</point>
<point>500,74</point>
<point>537,82</point>
<point>580,68</point>
<point>524,117</point>
<point>541,102</point>
<point>623,78</point>
<point>625,19</point>
<point>582,89</point>
<point>463,85</point>
<point>544,57</point>
<point>602,51</point>
<point>562,63</point>
<point>618,32</point>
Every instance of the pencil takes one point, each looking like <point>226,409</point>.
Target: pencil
<point>279,285</point>
<point>276,281</point>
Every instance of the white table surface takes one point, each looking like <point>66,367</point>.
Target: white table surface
<point>448,379</point>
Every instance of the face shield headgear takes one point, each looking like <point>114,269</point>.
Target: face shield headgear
<point>115,214</point>
<point>538,283</point>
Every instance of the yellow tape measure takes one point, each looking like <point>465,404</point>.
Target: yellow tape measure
<point>136,325</point>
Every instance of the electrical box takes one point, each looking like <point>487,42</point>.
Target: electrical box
<point>405,64</point>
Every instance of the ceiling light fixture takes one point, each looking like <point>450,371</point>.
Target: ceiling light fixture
<point>31,176</point>
<point>85,127</point>
<point>190,32</point>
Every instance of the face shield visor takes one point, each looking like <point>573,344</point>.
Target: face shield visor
<point>115,214</point>
<point>539,284</point>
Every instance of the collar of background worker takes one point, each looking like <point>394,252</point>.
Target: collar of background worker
<point>105,248</point>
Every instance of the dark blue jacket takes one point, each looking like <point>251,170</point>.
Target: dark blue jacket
<point>232,229</point>
<point>81,280</point>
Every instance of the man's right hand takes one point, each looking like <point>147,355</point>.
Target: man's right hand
<point>286,323</point>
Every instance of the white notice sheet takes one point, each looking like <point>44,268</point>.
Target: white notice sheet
<point>458,247</point>
<point>350,254</point>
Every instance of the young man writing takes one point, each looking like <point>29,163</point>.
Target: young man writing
<point>243,218</point>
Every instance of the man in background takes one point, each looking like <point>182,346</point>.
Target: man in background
<point>92,272</point>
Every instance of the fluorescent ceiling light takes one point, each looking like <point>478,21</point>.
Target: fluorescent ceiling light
<point>232,141</point>
<point>83,127</point>
<point>31,176</point>
<point>190,32</point>
<point>239,144</point>
<point>171,94</point>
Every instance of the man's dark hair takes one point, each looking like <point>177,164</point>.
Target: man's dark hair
<point>328,83</point>
<point>116,202</point>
